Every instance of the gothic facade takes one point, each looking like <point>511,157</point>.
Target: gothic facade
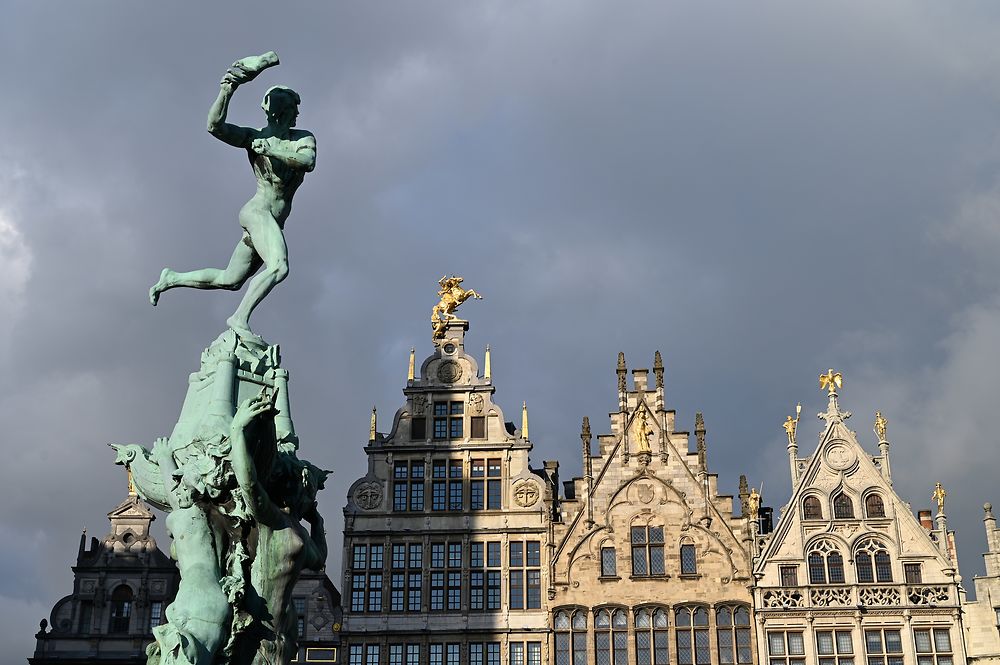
<point>850,574</point>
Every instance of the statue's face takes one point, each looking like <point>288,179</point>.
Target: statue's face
<point>283,107</point>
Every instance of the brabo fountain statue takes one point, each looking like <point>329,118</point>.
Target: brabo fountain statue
<point>229,474</point>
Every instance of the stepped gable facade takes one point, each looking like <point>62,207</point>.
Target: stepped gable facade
<point>649,564</point>
<point>850,574</point>
<point>446,538</point>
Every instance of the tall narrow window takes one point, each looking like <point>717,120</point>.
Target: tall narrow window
<point>733,634</point>
<point>300,616</point>
<point>608,562</point>
<point>455,495</point>
<point>652,637</point>
<point>418,429</point>
<point>85,624</point>
<point>371,654</point>
<point>439,485</point>
<point>456,417</point>
<point>417,486</point>
<point>440,420</point>
<point>155,614</point>
<point>611,637</point>
<point>478,426</point>
<point>484,575</point>
<point>811,509</point>
<point>689,561</point>
<point>477,486</point>
<point>647,551</point>
<point>874,506</point>
<point>843,507</point>
<point>525,574</point>
<point>454,576</point>
<point>121,609</point>
<point>693,646</point>
<point>493,484</point>
<point>570,637</point>
<point>400,485</point>
<point>826,564</point>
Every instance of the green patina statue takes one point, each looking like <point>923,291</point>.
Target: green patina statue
<point>280,156</point>
<point>229,475</point>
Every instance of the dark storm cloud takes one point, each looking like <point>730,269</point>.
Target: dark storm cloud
<point>760,192</point>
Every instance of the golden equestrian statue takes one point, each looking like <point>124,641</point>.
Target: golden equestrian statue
<point>452,295</point>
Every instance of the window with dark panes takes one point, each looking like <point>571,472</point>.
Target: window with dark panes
<point>609,566</point>
<point>416,485</point>
<point>647,551</point>
<point>933,646</point>
<point>418,429</point>
<point>477,486</point>
<point>811,508</point>
<point>493,471</point>
<point>733,634</point>
<point>400,485</point>
<point>456,418</point>
<point>872,562</point>
<point>874,506</point>
<point>300,612</point>
<point>693,646</point>
<point>121,609</point>
<point>439,487</point>
<point>789,575</point>
<point>440,420</point>
<point>835,647</point>
<point>912,573</point>
<point>884,647</point>
<point>843,507</point>
<point>478,427</point>
<point>455,494</point>
<point>611,637</point>
<point>689,560</point>
<point>786,648</point>
<point>652,637</point>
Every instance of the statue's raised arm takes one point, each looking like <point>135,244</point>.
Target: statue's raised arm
<point>280,156</point>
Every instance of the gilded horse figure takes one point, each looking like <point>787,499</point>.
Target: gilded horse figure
<point>452,295</point>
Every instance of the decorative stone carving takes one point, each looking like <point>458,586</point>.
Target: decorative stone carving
<point>776,598</point>
<point>830,597</point>
<point>419,404</point>
<point>368,496</point>
<point>878,595</point>
<point>526,494</point>
<point>840,456</point>
<point>476,403</point>
<point>927,595</point>
<point>449,371</point>
<point>645,492</point>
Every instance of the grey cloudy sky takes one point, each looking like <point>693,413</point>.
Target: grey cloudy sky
<point>758,190</point>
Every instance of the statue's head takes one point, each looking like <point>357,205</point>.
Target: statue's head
<point>294,483</point>
<point>281,105</point>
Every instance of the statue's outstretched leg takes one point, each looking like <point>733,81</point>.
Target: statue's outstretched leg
<point>269,243</point>
<point>242,264</point>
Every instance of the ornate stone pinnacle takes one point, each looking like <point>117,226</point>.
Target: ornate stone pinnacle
<point>585,431</point>
<point>658,370</point>
<point>621,371</point>
<point>371,427</point>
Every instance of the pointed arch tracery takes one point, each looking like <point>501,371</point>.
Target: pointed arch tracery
<point>825,562</point>
<point>872,561</point>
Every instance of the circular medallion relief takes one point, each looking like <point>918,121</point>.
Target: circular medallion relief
<point>840,457</point>
<point>368,496</point>
<point>449,371</point>
<point>526,494</point>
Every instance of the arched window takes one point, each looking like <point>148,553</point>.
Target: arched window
<point>651,637</point>
<point>571,637</point>
<point>826,564</point>
<point>843,508</point>
<point>874,506</point>
<point>121,609</point>
<point>692,636</point>
<point>733,630</point>
<point>611,637</point>
<point>689,560</point>
<point>811,509</point>
<point>872,561</point>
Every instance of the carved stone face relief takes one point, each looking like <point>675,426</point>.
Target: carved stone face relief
<point>840,457</point>
<point>526,494</point>
<point>368,496</point>
<point>449,371</point>
<point>476,403</point>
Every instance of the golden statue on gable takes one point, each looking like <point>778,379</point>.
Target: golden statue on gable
<point>642,433</point>
<point>831,381</point>
<point>452,295</point>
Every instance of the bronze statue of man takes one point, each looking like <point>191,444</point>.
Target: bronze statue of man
<point>280,156</point>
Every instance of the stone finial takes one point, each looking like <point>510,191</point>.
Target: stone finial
<point>410,370</point>
<point>371,427</point>
<point>658,370</point>
<point>699,433</point>
<point>744,495</point>
<point>988,510</point>
<point>487,367</point>
<point>524,420</point>
<point>585,431</point>
<point>621,371</point>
